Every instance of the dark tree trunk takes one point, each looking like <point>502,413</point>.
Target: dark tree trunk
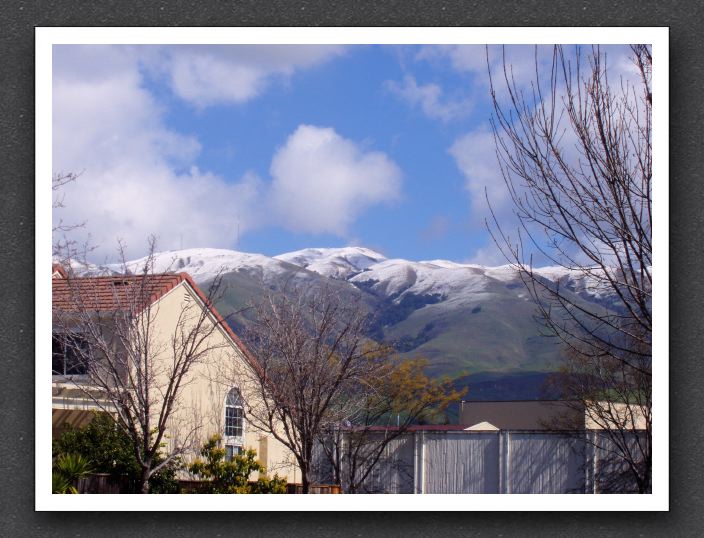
<point>145,481</point>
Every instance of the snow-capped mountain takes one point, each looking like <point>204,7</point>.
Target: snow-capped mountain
<point>450,281</point>
<point>465,318</point>
<point>337,263</point>
<point>360,266</point>
<point>203,264</point>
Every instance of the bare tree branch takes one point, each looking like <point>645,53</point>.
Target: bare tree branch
<point>133,366</point>
<point>575,153</point>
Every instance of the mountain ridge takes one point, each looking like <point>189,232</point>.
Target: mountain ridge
<point>466,319</point>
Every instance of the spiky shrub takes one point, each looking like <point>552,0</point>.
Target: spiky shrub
<point>59,484</point>
<point>68,469</point>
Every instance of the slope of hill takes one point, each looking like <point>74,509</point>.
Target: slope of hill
<point>467,319</point>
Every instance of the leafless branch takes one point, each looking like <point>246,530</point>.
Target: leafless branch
<point>575,153</point>
<point>134,366</point>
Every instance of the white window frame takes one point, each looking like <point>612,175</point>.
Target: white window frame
<point>235,441</point>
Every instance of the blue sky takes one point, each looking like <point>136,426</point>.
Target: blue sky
<point>295,146</point>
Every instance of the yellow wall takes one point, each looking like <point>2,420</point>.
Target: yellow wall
<point>201,406</point>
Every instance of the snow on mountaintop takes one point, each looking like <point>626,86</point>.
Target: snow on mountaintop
<point>451,280</point>
<point>360,266</point>
<point>461,283</point>
<point>333,262</point>
<point>205,263</point>
<point>86,269</point>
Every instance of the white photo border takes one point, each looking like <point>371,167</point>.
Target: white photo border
<point>46,37</point>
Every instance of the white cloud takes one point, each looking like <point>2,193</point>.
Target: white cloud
<point>475,156</point>
<point>489,255</point>
<point>322,182</point>
<point>475,152</point>
<point>429,97</point>
<point>469,58</point>
<point>138,177</point>
<point>472,59</point>
<point>225,74</point>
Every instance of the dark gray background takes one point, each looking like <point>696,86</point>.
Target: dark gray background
<point>18,19</point>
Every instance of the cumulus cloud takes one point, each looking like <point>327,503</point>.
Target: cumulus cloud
<point>521,62</point>
<point>224,74</point>
<point>321,182</point>
<point>468,58</point>
<point>489,255</point>
<point>475,153</point>
<point>430,99</point>
<point>137,175</point>
<point>475,156</point>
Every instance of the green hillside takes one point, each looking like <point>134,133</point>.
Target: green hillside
<point>489,340</point>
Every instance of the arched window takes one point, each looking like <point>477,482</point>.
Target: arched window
<point>234,418</point>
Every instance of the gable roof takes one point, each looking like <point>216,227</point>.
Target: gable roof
<point>124,292</point>
<point>482,426</point>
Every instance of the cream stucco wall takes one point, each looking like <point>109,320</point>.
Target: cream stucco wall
<point>200,411</point>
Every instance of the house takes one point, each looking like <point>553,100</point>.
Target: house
<point>214,393</point>
<point>550,415</point>
<point>522,415</point>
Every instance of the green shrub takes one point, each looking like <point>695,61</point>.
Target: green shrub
<point>59,484</point>
<point>110,450</point>
<point>224,476</point>
<point>68,468</point>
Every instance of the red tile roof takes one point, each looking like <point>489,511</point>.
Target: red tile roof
<point>110,293</point>
<point>129,292</point>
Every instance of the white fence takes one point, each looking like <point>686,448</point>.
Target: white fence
<point>505,461</point>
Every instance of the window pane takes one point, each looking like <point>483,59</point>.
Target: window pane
<point>57,357</point>
<point>232,451</point>
<point>68,355</point>
<point>234,421</point>
<point>233,397</point>
<point>75,357</point>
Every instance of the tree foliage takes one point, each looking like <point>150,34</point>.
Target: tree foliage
<point>68,469</point>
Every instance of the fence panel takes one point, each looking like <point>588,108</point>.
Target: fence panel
<point>540,462</point>
<point>394,471</point>
<point>461,462</point>
<point>507,461</point>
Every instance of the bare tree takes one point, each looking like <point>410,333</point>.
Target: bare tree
<point>112,347</point>
<point>64,248</point>
<point>575,152</point>
<point>385,407</point>
<point>312,351</point>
